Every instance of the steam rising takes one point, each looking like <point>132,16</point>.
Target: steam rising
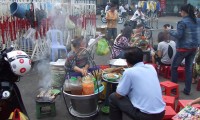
<point>45,76</point>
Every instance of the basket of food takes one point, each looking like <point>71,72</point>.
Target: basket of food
<point>111,76</point>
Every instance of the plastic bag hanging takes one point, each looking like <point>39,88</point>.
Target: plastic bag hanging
<point>69,24</point>
<point>102,47</point>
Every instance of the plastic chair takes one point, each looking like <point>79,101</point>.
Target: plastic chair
<point>56,38</point>
<point>169,100</point>
<point>181,73</point>
<point>168,87</point>
<point>164,71</point>
<point>169,113</point>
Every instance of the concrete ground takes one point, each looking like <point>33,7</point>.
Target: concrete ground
<point>30,83</point>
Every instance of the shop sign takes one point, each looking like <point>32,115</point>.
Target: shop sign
<point>163,4</point>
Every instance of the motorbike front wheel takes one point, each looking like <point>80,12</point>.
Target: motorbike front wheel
<point>120,20</point>
<point>103,20</point>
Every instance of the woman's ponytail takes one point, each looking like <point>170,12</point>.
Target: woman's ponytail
<point>191,13</point>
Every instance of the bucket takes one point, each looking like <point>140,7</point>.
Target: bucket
<point>58,78</point>
<point>17,10</point>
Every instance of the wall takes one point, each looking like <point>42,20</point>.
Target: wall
<point>194,3</point>
<point>173,6</point>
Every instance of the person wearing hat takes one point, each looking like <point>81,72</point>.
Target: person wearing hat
<point>138,13</point>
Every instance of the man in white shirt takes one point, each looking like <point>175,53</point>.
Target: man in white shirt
<point>122,10</point>
<point>138,93</point>
<point>138,13</point>
<point>107,7</point>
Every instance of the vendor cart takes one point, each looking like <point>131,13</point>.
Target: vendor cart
<point>84,106</point>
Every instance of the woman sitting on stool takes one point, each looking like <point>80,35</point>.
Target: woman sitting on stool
<point>122,42</point>
<point>77,62</point>
<point>165,51</point>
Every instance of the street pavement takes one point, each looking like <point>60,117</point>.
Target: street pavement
<point>30,83</point>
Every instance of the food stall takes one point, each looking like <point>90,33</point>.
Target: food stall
<point>81,93</point>
<point>112,77</point>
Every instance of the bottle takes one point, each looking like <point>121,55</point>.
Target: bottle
<point>67,88</point>
<point>88,85</point>
<point>75,86</point>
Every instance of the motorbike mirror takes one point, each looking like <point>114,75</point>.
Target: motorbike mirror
<point>5,58</point>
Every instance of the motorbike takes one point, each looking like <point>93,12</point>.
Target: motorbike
<point>147,32</point>
<point>10,96</point>
<point>121,19</point>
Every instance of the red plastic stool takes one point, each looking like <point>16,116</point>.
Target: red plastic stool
<point>164,71</point>
<point>169,113</point>
<point>168,87</point>
<point>169,100</point>
<point>183,103</point>
<point>181,73</point>
<point>154,65</point>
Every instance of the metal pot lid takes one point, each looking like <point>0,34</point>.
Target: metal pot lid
<point>118,62</point>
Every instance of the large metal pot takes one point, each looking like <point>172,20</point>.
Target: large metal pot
<point>83,105</point>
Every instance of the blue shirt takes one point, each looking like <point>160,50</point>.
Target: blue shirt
<point>141,84</point>
<point>187,34</point>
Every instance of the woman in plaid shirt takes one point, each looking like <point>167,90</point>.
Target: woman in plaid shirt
<point>77,61</point>
<point>121,42</point>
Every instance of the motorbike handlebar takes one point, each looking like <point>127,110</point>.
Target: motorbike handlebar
<point>5,51</point>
